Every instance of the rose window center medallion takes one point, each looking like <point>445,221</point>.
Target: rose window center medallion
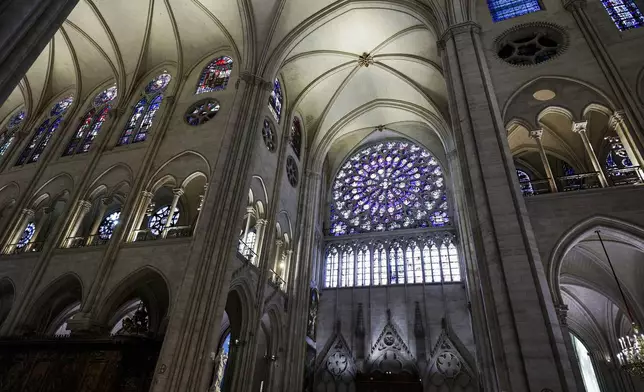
<point>337,364</point>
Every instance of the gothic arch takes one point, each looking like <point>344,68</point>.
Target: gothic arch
<point>7,297</point>
<point>56,296</point>
<point>147,284</point>
<point>110,180</point>
<point>56,187</point>
<point>180,167</point>
<point>628,231</point>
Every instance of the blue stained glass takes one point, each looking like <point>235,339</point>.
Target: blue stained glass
<point>275,101</point>
<point>105,96</point>
<point>158,84</point>
<point>506,9</point>
<point>137,113</point>
<point>146,123</point>
<point>157,222</point>
<point>385,187</point>
<point>222,365</point>
<point>624,13</point>
<point>106,229</point>
<point>216,75</point>
<point>525,183</point>
<point>27,235</point>
<point>16,120</point>
<point>296,137</point>
<point>62,106</point>
<point>567,169</point>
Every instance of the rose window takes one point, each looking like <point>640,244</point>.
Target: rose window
<point>202,112</point>
<point>388,186</point>
<point>291,171</point>
<point>106,229</point>
<point>269,136</point>
<point>158,221</point>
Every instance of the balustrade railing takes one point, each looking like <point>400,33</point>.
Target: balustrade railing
<point>275,280</point>
<point>246,251</point>
<point>18,248</point>
<point>535,187</point>
<point>578,182</point>
<point>626,176</point>
<point>81,242</point>
<point>170,232</point>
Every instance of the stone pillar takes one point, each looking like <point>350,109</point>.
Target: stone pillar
<point>286,271</point>
<point>562,315</point>
<point>249,214</point>
<point>278,256</point>
<point>81,211</point>
<point>139,214</point>
<point>517,350</point>
<point>26,216</point>
<point>102,208</point>
<point>617,123</point>
<point>536,135</point>
<point>26,27</point>
<point>260,229</point>
<point>177,192</point>
<point>580,129</point>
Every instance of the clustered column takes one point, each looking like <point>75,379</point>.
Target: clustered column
<point>177,192</point>
<point>102,208</point>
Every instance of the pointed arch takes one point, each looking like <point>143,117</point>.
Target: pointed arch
<point>215,75</point>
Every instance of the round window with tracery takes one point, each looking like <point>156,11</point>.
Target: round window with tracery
<point>531,44</point>
<point>388,186</point>
<point>269,136</point>
<point>158,220</point>
<point>106,229</point>
<point>291,171</point>
<point>202,112</point>
<point>27,235</point>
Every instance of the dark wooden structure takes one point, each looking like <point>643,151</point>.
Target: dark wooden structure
<point>70,365</point>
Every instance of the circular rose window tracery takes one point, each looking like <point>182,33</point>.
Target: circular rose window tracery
<point>531,44</point>
<point>202,112</point>
<point>388,186</point>
<point>291,171</point>
<point>269,136</point>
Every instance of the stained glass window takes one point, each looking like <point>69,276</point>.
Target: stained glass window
<point>624,13</point>
<point>506,9</point>
<point>567,169</point>
<point>431,258</point>
<point>388,186</point>
<point>106,229</point>
<point>157,222</point>
<point>525,183</point>
<point>617,157</point>
<point>222,364</point>
<point>396,265</point>
<point>296,137</point>
<point>202,112</point>
<point>379,265</point>
<point>92,122</point>
<point>449,263</point>
<point>331,269</point>
<point>275,101</point>
<point>45,132</point>
<point>363,267</point>
<point>216,75</point>
<point>143,113</point>
<point>414,264</point>
<point>62,329</point>
<point>8,135</point>
<point>347,268</point>
<point>27,235</point>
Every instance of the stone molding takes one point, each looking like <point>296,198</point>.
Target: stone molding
<point>254,80</point>
<point>458,29</point>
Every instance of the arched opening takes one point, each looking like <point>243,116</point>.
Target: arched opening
<point>7,296</point>
<point>54,307</point>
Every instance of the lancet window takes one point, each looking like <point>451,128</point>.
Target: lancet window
<point>506,9</point>
<point>429,258</point>
<point>91,123</point>
<point>45,132</point>
<point>8,135</point>
<point>215,76</point>
<point>275,101</point>
<point>145,110</point>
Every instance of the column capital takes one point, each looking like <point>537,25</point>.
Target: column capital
<point>279,243</point>
<point>147,194</point>
<point>178,192</point>
<point>85,204</point>
<point>580,126</point>
<point>616,119</point>
<point>106,201</point>
<point>458,29</point>
<point>28,212</point>
<point>260,222</point>
<point>536,134</point>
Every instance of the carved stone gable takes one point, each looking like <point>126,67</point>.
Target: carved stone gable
<point>336,360</point>
<point>447,369</point>
<point>390,353</point>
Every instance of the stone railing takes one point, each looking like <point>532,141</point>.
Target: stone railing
<point>18,248</point>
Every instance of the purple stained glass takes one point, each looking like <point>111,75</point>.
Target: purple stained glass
<point>40,147</point>
<point>16,120</point>
<point>133,122</point>
<point>158,84</point>
<point>105,96</point>
<point>624,13</point>
<point>27,235</point>
<point>216,75</point>
<point>388,186</point>
<point>146,123</point>
<point>275,101</point>
<point>62,106</point>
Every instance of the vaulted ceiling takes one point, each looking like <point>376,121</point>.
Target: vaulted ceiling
<point>314,46</point>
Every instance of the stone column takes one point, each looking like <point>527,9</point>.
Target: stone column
<point>139,214</point>
<point>517,350</point>
<point>83,208</point>
<point>278,256</point>
<point>26,215</point>
<point>260,228</point>
<point>249,213</point>
<point>536,135</point>
<point>562,315</point>
<point>26,27</point>
<point>102,208</point>
<point>617,123</point>
<point>177,192</point>
<point>580,129</point>
<point>287,267</point>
